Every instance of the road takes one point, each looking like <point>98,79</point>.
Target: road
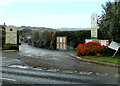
<point>32,76</point>
<point>55,65</point>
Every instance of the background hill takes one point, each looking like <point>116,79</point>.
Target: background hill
<point>73,29</point>
<point>49,29</point>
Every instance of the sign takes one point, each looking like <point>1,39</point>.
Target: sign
<point>104,42</point>
<point>93,33</point>
<point>88,40</point>
<point>61,43</point>
<point>94,17</point>
<point>115,46</point>
<point>61,39</point>
<point>11,35</point>
<point>94,26</point>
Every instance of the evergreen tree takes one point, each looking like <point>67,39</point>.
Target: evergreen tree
<point>110,21</point>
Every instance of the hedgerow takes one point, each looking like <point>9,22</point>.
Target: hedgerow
<point>47,39</point>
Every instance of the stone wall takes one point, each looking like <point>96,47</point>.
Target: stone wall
<point>11,35</point>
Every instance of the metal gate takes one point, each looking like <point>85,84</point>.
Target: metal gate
<point>62,43</point>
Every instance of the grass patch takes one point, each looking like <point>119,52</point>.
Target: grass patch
<point>109,59</point>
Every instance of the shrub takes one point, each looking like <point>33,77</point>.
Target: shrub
<point>47,39</point>
<point>91,48</point>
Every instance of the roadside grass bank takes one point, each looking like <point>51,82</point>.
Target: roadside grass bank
<point>8,50</point>
<point>108,59</point>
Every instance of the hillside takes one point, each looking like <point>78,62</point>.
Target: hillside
<point>73,29</point>
<point>39,28</point>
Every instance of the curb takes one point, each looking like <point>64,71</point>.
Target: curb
<point>8,50</point>
<point>96,62</point>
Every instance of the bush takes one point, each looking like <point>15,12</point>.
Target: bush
<point>75,37</point>
<point>91,48</point>
<point>47,39</point>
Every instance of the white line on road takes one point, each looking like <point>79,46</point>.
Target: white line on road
<point>8,79</point>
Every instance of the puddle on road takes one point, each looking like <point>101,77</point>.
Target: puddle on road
<point>101,74</point>
<point>28,55</point>
<point>53,70</point>
<point>117,75</point>
<point>85,73</point>
<point>2,57</point>
<point>19,66</point>
<point>68,71</point>
<point>37,68</point>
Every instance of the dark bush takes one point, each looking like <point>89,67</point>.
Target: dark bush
<point>47,39</point>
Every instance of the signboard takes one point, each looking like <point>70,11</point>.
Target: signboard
<point>88,40</point>
<point>104,42</point>
<point>11,35</point>
<point>115,46</point>
<point>94,17</point>
<point>93,33</point>
<point>61,43</point>
<point>61,39</point>
<point>94,26</point>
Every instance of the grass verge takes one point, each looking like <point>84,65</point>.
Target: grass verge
<point>109,59</point>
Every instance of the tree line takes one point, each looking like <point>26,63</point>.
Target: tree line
<point>109,28</point>
<point>109,25</point>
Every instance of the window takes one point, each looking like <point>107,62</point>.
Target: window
<point>11,29</point>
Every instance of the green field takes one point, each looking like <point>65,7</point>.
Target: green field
<point>109,59</point>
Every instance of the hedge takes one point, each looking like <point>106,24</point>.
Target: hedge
<point>47,39</point>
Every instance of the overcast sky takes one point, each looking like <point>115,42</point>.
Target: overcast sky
<point>49,13</point>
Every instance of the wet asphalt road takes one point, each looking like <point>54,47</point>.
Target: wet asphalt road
<point>32,76</point>
<point>55,61</point>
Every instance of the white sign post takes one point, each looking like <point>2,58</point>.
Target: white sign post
<point>94,26</point>
<point>115,46</point>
